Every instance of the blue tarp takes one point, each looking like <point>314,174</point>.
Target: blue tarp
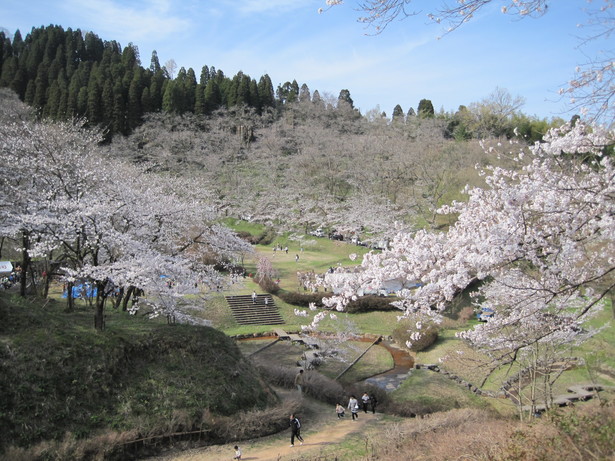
<point>83,290</point>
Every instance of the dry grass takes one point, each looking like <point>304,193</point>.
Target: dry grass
<point>465,434</point>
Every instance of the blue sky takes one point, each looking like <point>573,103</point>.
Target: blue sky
<point>288,39</point>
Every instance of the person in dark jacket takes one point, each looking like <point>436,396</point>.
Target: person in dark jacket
<point>374,402</point>
<point>295,430</point>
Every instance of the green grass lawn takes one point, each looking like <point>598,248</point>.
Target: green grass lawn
<point>318,254</point>
<point>427,390</point>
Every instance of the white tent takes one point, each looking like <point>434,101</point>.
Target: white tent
<point>5,267</point>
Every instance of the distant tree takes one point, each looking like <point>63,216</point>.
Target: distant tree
<point>135,93</point>
<point>94,101</point>
<point>398,114</point>
<point>493,115</point>
<point>288,92</point>
<point>172,98</point>
<point>316,99</point>
<point>154,63</point>
<point>130,57</point>
<point>169,68</point>
<point>304,93</point>
<point>17,44</point>
<point>254,97</point>
<point>189,90</point>
<point>344,100</point>
<point>213,98</point>
<point>425,109</point>
<point>146,101</point>
<point>205,76</point>
<point>199,100</point>
<point>265,92</point>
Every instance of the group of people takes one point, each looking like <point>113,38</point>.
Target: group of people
<point>278,247</point>
<point>367,402</point>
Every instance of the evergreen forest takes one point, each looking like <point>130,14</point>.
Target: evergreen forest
<point>71,73</point>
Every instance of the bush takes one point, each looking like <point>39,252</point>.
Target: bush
<point>383,400</point>
<point>419,407</point>
<point>253,424</point>
<point>268,285</point>
<point>303,300</point>
<point>265,238</point>
<point>315,384</point>
<point>245,235</point>
<point>371,303</point>
<point>429,335</point>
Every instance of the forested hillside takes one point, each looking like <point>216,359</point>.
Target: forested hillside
<point>68,73</point>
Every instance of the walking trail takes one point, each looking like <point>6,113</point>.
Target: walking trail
<point>321,437</point>
<point>321,428</point>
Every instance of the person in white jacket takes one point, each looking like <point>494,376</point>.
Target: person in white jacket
<point>353,406</point>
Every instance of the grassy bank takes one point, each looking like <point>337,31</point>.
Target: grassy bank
<point>59,377</point>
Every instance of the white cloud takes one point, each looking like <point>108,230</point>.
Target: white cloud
<point>132,24</point>
<point>266,6</point>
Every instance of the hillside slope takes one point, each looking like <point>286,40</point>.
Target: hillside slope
<point>60,379</point>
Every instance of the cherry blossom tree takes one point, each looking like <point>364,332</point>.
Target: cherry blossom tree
<point>111,223</point>
<point>380,13</point>
<point>539,238</point>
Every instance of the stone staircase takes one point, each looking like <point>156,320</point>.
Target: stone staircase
<point>247,312</point>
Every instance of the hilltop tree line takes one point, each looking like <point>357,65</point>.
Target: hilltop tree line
<point>68,73</point>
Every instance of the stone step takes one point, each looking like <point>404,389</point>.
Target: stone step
<point>247,312</point>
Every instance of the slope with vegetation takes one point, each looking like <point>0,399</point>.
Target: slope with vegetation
<point>144,220</point>
<point>91,392</point>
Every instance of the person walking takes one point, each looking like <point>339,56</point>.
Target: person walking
<point>353,406</point>
<point>339,409</point>
<point>365,401</point>
<point>254,297</point>
<point>237,452</point>
<point>299,378</point>
<point>295,430</point>
<point>374,401</point>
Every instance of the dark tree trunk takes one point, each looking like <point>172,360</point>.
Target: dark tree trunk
<point>99,313</point>
<point>70,301</point>
<point>25,262</point>
<point>129,293</point>
<point>119,298</point>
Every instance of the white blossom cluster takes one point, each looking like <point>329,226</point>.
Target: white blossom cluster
<point>111,223</point>
<point>540,239</point>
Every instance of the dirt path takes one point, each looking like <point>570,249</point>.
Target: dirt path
<point>277,448</point>
<point>321,430</point>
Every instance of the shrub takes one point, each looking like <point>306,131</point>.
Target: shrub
<point>265,238</point>
<point>268,285</point>
<point>245,235</point>
<point>383,400</point>
<point>402,334</point>
<point>315,384</point>
<point>259,423</point>
<point>303,300</point>
<point>371,303</point>
<point>418,407</point>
